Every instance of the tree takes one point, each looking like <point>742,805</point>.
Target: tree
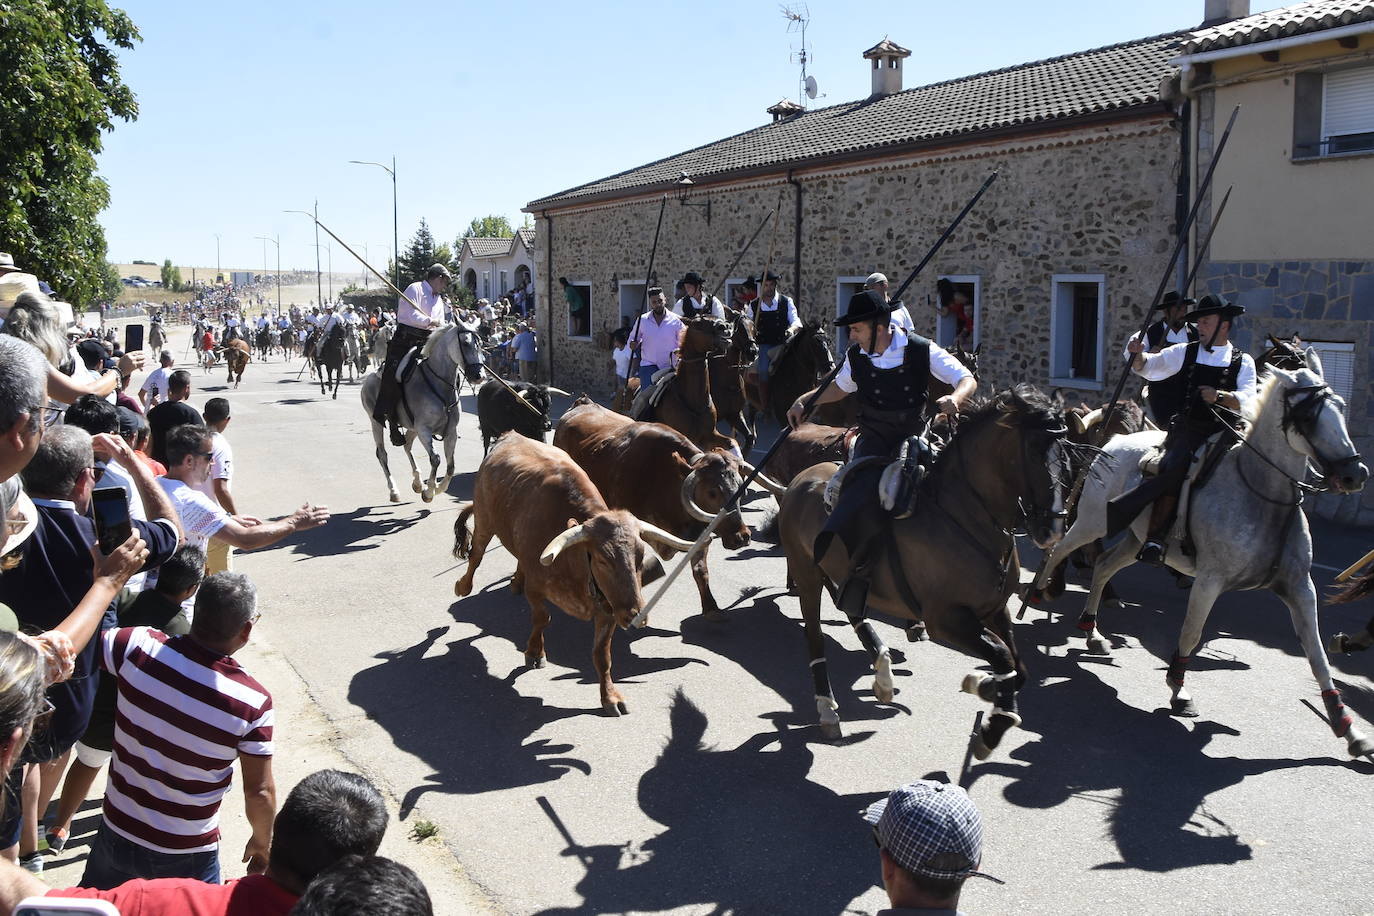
<point>60,89</point>
<point>171,276</point>
<point>417,257</point>
<point>488,227</point>
<point>111,286</point>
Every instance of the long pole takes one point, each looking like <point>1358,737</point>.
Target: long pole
<point>787,431</point>
<point>319,289</point>
<point>1184,231</point>
<point>401,294</point>
<point>277,241</point>
<point>1206,242</point>
<point>772,239</point>
<point>739,257</point>
<point>644,300</point>
<point>395,230</point>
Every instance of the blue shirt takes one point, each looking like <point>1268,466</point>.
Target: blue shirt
<point>525,347</point>
<point>47,585</point>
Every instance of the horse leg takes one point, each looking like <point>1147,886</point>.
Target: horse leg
<point>414,468</point>
<point>450,468</point>
<point>1077,535</point>
<point>612,703</point>
<point>1108,565</point>
<point>1301,599</point>
<point>709,609</point>
<point>998,688</point>
<point>378,436</point>
<point>808,585</point>
<point>1205,592</point>
<point>427,493</point>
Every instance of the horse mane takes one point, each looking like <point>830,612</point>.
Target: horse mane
<point>1265,400</point>
<point>433,341</point>
<point>1024,401</point>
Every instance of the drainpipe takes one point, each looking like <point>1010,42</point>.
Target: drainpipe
<point>548,289</point>
<point>1182,198</point>
<point>796,236</point>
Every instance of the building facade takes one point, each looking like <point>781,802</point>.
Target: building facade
<point>492,267</point>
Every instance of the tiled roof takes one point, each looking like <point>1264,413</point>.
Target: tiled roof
<point>1299,19</point>
<point>526,236</point>
<point>1119,78</point>
<point>886,48</point>
<point>488,248</point>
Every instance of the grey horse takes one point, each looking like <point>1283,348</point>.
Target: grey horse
<point>429,407</point>
<point>1247,523</point>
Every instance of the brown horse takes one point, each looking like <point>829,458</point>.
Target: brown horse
<point>686,406</point>
<point>795,372</point>
<point>953,562</point>
<point>237,354</point>
<point>727,380</point>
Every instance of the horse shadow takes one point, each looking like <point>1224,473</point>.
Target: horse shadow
<point>726,813</point>
<point>346,532</point>
<point>567,641</point>
<point>480,739</point>
<point>293,402</point>
<point>1091,743</point>
<point>750,636</point>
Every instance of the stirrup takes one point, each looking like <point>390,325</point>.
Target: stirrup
<point>1152,552</point>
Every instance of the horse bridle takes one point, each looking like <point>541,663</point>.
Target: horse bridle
<point>1302,415</point>
<point>1036,513</point>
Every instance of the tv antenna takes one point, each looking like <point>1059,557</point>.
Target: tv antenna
<point>798,17</point>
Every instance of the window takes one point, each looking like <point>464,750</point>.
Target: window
<point>505,283</point>
<point>632,301</point>
<point>1077,307</point>
<point>1333,113</point>
<point>845,288</point>
<point>1338,367</point>
<point>730,291</point>
<point>577,297</point>
<point>947,326</point>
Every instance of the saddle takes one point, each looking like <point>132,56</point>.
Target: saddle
<point>1205,460</point>
<point>653,395</point>
<point>899,482</point>
<point>407,366</point>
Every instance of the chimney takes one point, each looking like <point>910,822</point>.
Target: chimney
<point>887,67</point>
<point>1215,12</point>
<point>784,109</point>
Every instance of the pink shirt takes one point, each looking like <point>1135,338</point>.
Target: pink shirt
<point>420,302</point>
<point>660,340</point>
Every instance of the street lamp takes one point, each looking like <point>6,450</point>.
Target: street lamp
<point>218,271</point>
<point>275,241</point>
<point>329,254</point>
<point>395,226</point>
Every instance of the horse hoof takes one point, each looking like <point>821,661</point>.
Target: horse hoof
<point>979,747</point>
<point>1338,644</point>
<point>615,710</point>
<point>1184,708</point>
<point>417,488</point>
<point>395,498</point>
<point>971,682</point>
<point>336,395</point>
<point>831,731</point>
<point>916,632</point>
<point>534,661</point>
<point>1099,646</point>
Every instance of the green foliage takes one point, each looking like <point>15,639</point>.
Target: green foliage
<point>417,257</point>
<point>110,284</point>
<point>60,90</point>
<point>488,227</point>
<point>171,276</point>
<point>423,830</point>
<point>461,297</point>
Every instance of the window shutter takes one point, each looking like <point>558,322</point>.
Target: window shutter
<point>1349,102</point>
<point>1338,368</point>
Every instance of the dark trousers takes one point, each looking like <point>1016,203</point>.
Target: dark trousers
<point>397,347</point>
<point>1182,441</point>
<point>115,860</point>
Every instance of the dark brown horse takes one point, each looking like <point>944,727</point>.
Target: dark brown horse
<point>686,406</point>
<point>727,380</point>
<point>796,371</point>
<point>953,562</point>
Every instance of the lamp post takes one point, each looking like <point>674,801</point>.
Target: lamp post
<point>275,241</point>
<point>395,226</point>
<point>329,261</point>
<point>218,272</point>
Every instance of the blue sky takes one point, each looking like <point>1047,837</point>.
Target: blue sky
<point>252,108</point>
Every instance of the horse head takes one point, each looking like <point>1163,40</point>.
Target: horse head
<point>706,334</point>
<point>1313,421</point>
<point>814,346</point>
<point>742,339</point>
<point>1037,433</point>
<point>1285,354</point>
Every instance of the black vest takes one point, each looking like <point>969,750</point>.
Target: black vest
<point>1196,375</point>
<point>770,328</point>
<point>892,402</point>
<point>1167,396</point>
<point>690,309</point>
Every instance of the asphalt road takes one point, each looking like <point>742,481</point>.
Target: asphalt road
<point>717,794</point>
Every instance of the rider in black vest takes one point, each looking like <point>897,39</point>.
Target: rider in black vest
<point>889,374</point>
<point>1165,397</point>
<point>772,328</point>
<point>1214,374</point>
<point>693,301</point>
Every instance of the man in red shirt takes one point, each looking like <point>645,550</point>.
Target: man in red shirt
<point>329,815</point>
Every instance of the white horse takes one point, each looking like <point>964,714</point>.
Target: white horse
<point>429,408</point>
<point>351,349</point>
<point>1247,523</point>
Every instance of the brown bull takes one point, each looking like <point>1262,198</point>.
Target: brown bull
<point>570,548</point>
<point>659,475</point>
<point>237,354</point>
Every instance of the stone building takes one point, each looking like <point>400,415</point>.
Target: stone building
<point>1295,245</point>
<point>493,267</point>
<point>1060,258</point>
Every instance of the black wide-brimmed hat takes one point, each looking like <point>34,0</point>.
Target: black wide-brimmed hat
<point>691,277</point>
<point>1215,305</point>
<point>866,305</point>
<point>1172,298</point>
<point>770,277</point>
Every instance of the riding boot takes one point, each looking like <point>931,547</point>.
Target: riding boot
<point>1161,519</point>
<point>763,393</point>
<point>852,597</point>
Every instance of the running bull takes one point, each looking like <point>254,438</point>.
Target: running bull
<point>519,406</point>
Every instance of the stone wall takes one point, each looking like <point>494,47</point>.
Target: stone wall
<point>1092,201</point>
<point>1317,300</point>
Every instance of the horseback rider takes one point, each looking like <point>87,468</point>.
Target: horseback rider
<point>419,311</point>
<point>1165,397</point>
<point>775,321</point>
<point>1214,373</point>
<point>693,299</point>
<point>900,315</point>
<point>656,337</point>
<point>890,370</point>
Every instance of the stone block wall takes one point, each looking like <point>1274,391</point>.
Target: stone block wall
<point>1092,201</point>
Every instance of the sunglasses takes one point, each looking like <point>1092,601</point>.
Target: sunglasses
<point>97,472</point>
<point>43,719</point>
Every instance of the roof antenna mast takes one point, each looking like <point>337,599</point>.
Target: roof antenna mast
<point>797,19</point>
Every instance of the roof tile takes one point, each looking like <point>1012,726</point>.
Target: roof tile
<point>1298,19</point>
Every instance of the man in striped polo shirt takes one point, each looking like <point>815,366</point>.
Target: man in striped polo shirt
<point>186,710</point>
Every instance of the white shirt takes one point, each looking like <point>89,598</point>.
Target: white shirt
<point>156,383</point>
<point>221,465</point>
<point>942,366</point>
<point>716,309</point>
<point>902,318</point>
<point>420,302</point>
<point>201,516</point>
<point>759,305</point>
<point>621,355</point>
<point>1170,337</point>
<point>351,319</point>
<point>330,323</point>
<point>1169,361</point>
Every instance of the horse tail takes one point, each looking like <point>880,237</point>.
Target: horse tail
<point>462,537</point>
<point>1355,589</point>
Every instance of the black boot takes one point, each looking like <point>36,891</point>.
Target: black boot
<point>852,598</point>
<point>1161,520</point>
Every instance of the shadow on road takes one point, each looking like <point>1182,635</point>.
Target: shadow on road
<point>477,740</point>
<point>1148,767</point>
<point>347,532</point>
<point>747,832</point>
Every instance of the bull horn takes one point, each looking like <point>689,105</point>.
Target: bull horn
<point>656,534</point>
<point>569,538</point>
<point>560,391</point>
<point>769,484</point>
<point>1076,423</point>
<point>695,511</point>
<point>521,393</point>
<point>1092,418</point>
